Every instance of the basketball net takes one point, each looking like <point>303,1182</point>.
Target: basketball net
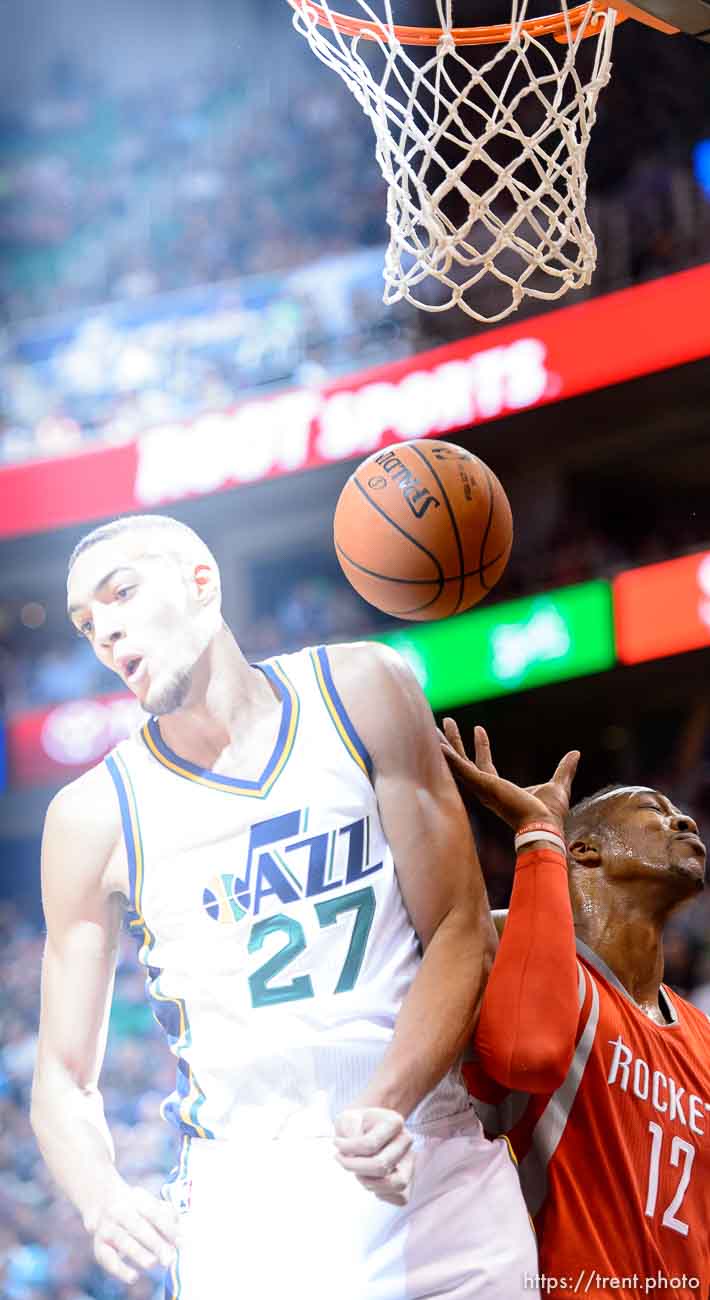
<point>484,165</point>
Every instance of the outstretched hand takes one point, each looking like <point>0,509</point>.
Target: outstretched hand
<point>514,804</point>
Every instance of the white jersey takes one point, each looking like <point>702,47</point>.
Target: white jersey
<point>277,945</point>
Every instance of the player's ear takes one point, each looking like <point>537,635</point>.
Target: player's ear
<point>584,852</point>
<point>206,582</point>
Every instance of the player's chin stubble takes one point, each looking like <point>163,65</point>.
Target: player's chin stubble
<point>171,696</point>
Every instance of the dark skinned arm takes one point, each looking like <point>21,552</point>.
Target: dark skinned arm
<point>527,1028</point>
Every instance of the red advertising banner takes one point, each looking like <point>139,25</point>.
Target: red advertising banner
<point>662,609</point>
<point>559,355</point>
<point>51,746</point>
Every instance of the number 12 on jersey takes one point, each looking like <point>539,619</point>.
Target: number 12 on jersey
<point>680,1150</point>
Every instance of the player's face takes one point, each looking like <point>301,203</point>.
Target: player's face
<point>144,618</point>
<point>647,835</point>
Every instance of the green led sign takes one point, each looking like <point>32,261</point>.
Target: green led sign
<point>511,647</point>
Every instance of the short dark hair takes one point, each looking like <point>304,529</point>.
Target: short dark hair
<point>585,814</point>
<point>136,523</point>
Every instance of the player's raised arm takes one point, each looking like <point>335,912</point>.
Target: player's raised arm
<point>437,867</point>
<point>526,1030</point>
<point>130,1227</point>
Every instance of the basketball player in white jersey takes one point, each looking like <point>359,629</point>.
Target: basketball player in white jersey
<point>317,998</point>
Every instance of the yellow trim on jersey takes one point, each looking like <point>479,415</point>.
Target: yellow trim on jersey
<point>195,1096</point>
<point>516,1162</point>
<point>335,714</point>
<point>511,1152</point>
<point>232,785</point>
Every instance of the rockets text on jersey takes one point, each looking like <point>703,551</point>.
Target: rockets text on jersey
<point>615,1165</point>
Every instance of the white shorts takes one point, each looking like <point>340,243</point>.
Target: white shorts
<point>284,1221</point>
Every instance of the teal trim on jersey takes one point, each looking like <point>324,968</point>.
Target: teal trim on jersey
<point>138,926</point>
<point>283,748</point>
<point>337,711</point>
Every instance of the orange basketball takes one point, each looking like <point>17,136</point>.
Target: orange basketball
<point>423,529</point>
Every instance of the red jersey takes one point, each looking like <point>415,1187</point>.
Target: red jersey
<point>615,1159</point>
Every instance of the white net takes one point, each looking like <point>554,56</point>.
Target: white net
<point>483,154</point>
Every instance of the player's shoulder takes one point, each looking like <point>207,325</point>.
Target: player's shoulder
<point>383,699</point>
<point>599,991</point>
<point>348,660</point>
<point>82,861</point>
<point>595,973</point>
<point>356,663</point>
<point>378,686</point>
<point>610,989</point>
<point>86,806</point>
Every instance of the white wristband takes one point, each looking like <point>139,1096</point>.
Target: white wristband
<point>529,837</point>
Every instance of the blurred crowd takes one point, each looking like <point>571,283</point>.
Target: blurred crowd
<point>110,374</point>
<point>256,183</point>
<point>108,196</point>
<point>263,163</point>
<point>107,199</point>
<point>44,1251</point>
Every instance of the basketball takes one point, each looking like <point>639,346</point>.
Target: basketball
<point>423,530</point>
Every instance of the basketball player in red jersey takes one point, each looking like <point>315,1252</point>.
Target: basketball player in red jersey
<point>597,1075</point>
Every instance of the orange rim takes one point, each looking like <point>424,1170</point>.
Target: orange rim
<point>497,34</point>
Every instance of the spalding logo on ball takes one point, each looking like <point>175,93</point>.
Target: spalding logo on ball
<point>423,529</point>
